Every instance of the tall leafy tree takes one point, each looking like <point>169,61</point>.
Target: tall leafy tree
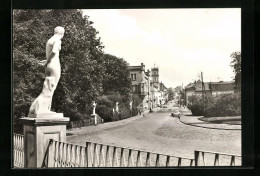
<point>236,65</point>
<point>81,59</point>
<point>117,77</point>
<point>85,67</point>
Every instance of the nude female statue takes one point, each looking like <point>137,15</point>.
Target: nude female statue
<point>42,104</point>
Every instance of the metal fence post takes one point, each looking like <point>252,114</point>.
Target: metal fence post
<point>196,156</point>
<point>232,163</point>
<point>87,154</point>
<point>216,161</point>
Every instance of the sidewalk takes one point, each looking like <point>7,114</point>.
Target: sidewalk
<point>104,126</point>
<point>187,119</point>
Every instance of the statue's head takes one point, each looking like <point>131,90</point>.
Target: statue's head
<point>59,31</point>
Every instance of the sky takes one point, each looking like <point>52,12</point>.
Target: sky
<point>181,42</point>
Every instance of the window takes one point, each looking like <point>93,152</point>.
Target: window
<point>133,77</point>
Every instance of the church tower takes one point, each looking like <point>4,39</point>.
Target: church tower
<point>155,76</point>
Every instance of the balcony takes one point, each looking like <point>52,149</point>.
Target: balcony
<point>142,89</point>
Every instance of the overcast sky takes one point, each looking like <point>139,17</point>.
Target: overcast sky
<point>181,42</point>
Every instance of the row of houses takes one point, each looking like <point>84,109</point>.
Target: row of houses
<point>146,88</point>
<point>210,88</point>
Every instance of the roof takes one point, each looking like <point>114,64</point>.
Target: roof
<point>190,85</point>
<point>178,89</point>
<point>162,86</point>
<point>198,86</point>
<point>141,67</point>
<point>214,86</point>
<point>222,86</point>
<point>134,67</point>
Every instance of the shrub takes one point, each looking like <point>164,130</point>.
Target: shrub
<point>105,112</point>
<point>197,109</point>
<point>222,105</point>
<point>134,111</point>
<point>124,112</point>
<point>196,105</point>
<point>106,103</point>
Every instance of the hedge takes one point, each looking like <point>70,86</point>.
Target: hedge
<point>220,106</point>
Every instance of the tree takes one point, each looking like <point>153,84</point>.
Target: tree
<point>106,103</point>
<point>170,93</point>
<point>81,60</point>
<point>236,65</point>
<point>85,67</point>
<point>116,76</point>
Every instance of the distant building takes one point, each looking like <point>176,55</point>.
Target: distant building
<point>155,76</point>
<point>154,84</point>
<point>140,84</point>
<point>146,88</point>
<point>163,93</point>
<point>178,94</point>
<point>210,88</point>
<point>218,88</point>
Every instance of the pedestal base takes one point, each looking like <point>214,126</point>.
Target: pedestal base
<point>95,118</point>
<point>37,133</point>
<point>46,115</point>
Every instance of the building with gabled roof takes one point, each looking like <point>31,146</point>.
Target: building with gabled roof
<point>146,88</point>
<point>210,88</point>
<point>218,88</point>
<point>140,85</point>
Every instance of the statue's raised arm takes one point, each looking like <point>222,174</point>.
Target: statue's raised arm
<point>42,104</point>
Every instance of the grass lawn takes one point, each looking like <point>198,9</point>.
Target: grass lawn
<point>233,120</point>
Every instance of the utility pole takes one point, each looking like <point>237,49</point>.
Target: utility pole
<point>149,88</point>
<point>202,91</point>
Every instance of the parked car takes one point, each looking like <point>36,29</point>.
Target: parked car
<point>176,113</point>
<point>164,106</point>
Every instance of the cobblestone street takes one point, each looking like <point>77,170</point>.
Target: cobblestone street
<point>162,133</point>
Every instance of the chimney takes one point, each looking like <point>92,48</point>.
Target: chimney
<point>142,67</point>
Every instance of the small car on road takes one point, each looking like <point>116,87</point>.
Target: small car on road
<point>164,106</point>
<point>176,113</point>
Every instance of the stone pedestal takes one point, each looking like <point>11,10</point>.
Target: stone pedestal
<point>95,118</point>
<point>37,133</point>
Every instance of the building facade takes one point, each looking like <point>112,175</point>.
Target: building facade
<point>140,84</point>
<point>210,88</point>
<point>163,97</point>
<point>146,88</point>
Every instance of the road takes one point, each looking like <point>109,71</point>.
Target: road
<point>162,133</point>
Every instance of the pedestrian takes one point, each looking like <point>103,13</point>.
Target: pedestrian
<point>140,112</point>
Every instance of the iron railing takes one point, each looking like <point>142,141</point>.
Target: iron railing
<point>18,151</point>
<point>208,158</point>
<point>102,155</point>
<point>61,154</point>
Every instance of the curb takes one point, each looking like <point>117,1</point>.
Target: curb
<point>138,117</point>
<point>206,127</point>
